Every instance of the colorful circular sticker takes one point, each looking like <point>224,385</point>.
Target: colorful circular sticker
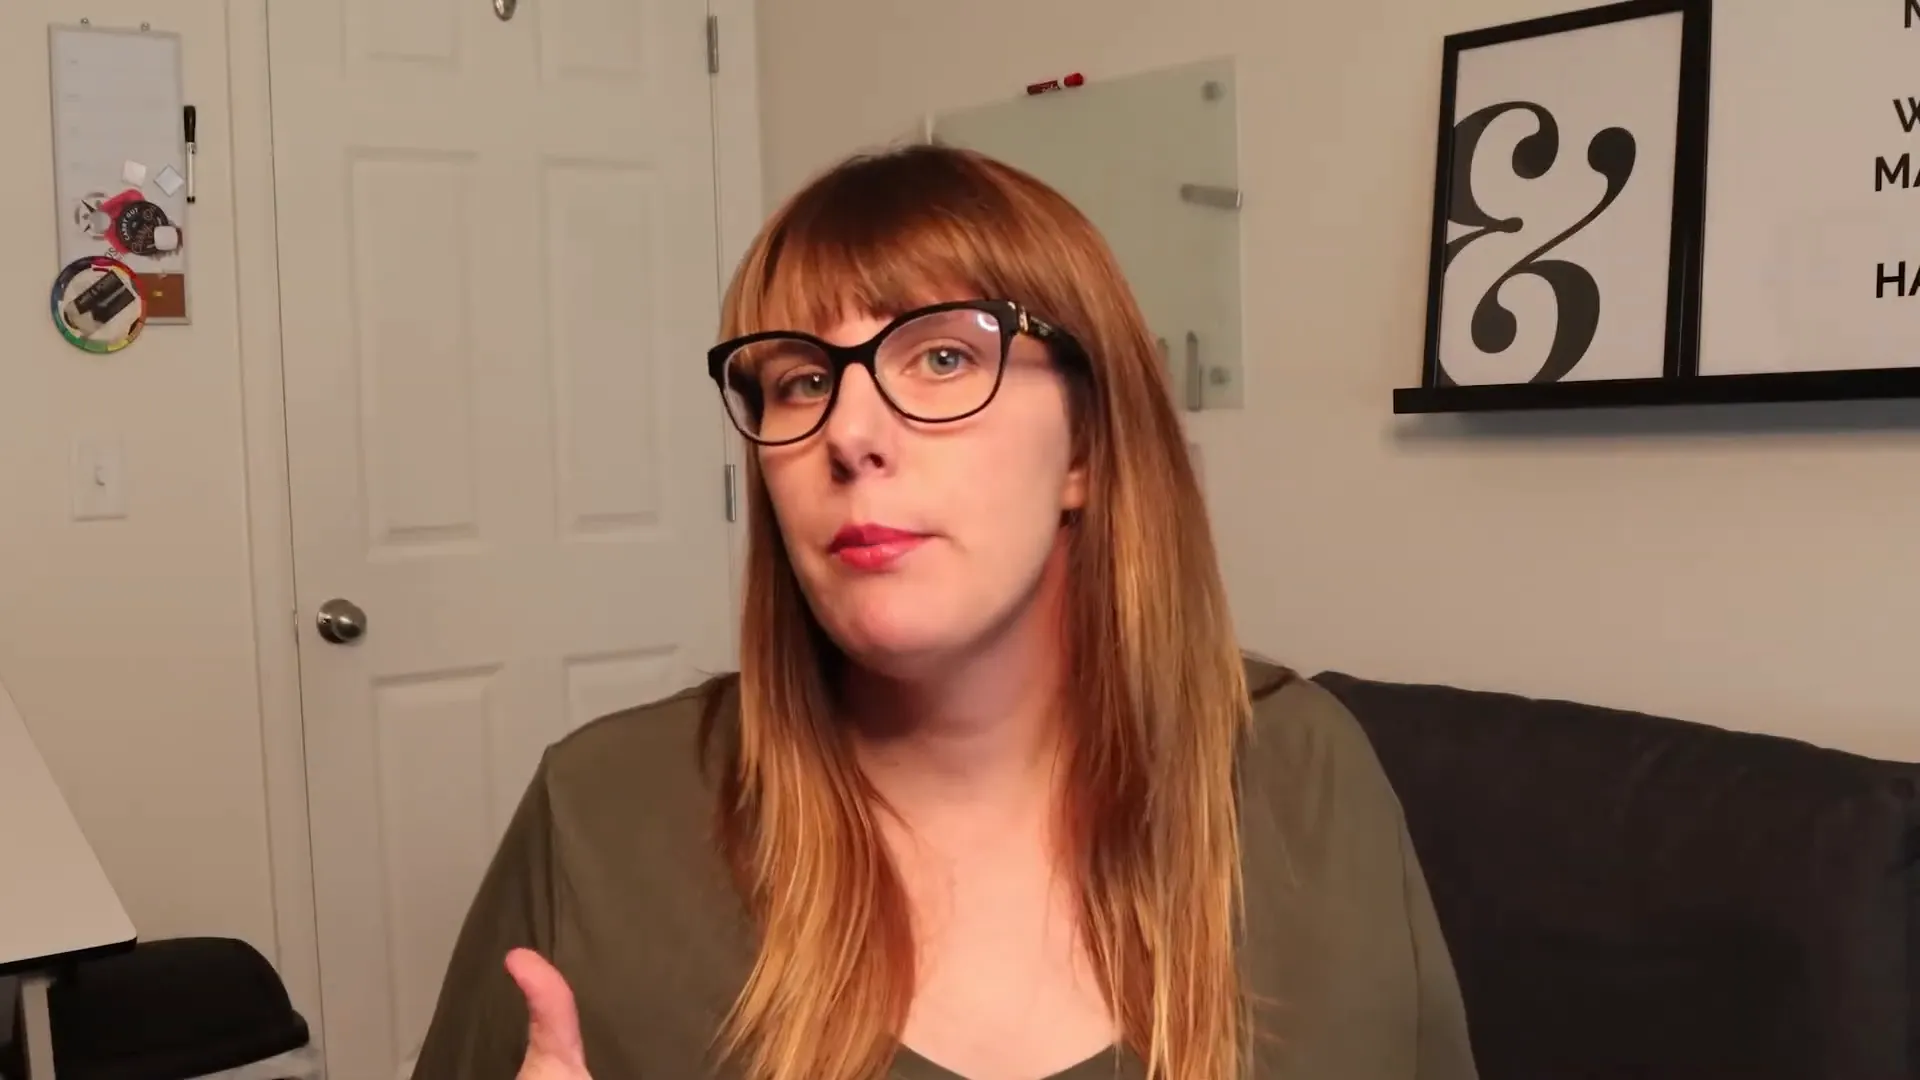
<point>97,304</point>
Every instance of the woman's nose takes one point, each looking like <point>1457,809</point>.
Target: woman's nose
<point>860,430</point>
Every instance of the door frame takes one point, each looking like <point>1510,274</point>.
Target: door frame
<point>740,209</point>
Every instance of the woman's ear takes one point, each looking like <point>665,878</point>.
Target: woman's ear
<point>1073,490</point>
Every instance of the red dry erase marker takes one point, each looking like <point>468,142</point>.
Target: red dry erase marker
<point>1074,79</point>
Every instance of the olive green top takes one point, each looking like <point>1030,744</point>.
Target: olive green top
<point>609,869</point>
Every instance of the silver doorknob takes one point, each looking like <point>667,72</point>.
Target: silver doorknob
<point>341,621</point>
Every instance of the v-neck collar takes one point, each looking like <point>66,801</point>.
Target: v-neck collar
<point>1113,1063</point>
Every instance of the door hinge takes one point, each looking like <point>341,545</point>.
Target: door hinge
<point>713,44</point>
<point>730,489</point>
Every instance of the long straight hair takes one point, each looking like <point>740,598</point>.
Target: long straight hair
<point>1157,690</point>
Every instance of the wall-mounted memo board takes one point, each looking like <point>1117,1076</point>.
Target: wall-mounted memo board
<point>1696,203</point>
<point>122,178</point>
<point>1153,160</point>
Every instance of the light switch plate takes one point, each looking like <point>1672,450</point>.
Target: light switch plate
<point>99,479</point>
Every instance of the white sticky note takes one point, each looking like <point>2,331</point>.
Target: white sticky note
<point>169,181</point>
<point>134,173</point>
<point>166,238</point>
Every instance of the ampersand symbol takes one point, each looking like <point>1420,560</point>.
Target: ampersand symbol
<point>1494,327</point>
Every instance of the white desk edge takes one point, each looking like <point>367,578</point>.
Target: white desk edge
<point>56,903</point>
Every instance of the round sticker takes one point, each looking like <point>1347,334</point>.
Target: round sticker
<point>142,228</point>
<point>91,216</point>
<point>97,304</point>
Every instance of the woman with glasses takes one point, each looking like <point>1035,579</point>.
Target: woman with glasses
<point>994,794</point>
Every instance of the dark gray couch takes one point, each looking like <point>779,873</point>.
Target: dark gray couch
<point>1630,897</point>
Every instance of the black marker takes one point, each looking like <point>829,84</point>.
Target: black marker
<point>193,147</point>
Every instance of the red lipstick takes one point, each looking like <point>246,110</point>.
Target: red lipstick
<point>873,547</point>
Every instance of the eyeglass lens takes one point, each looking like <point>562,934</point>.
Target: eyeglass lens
<point>938,366</point>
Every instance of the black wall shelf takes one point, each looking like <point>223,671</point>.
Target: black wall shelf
<point>1743,389</point>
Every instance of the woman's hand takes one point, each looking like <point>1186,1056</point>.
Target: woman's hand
<point>554,1050</point>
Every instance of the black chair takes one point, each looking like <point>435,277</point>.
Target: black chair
<point>173,1009</point>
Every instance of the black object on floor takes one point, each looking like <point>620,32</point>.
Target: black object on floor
<point>172,1009</point>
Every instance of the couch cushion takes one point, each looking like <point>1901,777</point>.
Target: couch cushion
<point>1629,896</point>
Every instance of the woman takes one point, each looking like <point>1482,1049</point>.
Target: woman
<point>994,795</point>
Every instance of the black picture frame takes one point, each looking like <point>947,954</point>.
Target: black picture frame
<point>1678,380</point>
<point>1611,152</point>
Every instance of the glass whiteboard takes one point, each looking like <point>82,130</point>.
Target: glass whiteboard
<point>1153,160</point>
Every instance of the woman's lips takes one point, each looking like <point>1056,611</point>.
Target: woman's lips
<point>873,547</point>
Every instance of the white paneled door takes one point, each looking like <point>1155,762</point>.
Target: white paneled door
<point>498,279</point>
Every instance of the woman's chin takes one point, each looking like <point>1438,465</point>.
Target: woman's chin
<point>895,644</point>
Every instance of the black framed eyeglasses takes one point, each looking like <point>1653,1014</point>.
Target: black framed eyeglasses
<point>934,365</point>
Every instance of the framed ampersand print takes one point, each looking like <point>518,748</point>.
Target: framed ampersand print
<point>1568,206</point>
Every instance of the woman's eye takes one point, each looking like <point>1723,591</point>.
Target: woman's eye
<point>944,361</point>
<point>801,386</point>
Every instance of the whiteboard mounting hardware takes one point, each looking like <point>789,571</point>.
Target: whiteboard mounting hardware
<point>1196,387</point>
<point>1221,198</point>
<point>87,21</point>
<point>504,9</point>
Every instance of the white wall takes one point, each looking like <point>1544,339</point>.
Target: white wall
<point>1749,568</point>
<point>129,644</point>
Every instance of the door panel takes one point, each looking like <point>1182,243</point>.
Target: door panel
<point>498,281</point>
